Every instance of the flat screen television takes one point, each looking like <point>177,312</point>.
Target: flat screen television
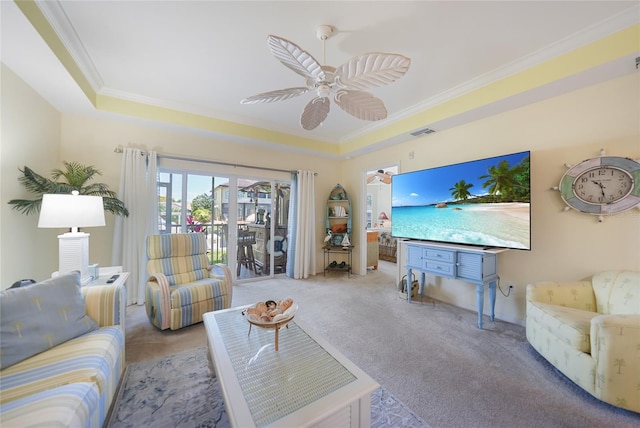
<point>485,202</point>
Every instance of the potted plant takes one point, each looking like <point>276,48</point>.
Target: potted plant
<point>74,176</point>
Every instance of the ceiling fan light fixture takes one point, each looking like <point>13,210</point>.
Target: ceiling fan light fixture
<point>324,32</point>
<point>348,81</point>
<point>324,91</point>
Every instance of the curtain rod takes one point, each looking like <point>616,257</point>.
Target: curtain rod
<point>235,165</point>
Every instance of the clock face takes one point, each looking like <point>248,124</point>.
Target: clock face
<point>603,185</point>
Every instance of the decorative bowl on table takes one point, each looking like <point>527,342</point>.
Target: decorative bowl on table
<point>271,313</point>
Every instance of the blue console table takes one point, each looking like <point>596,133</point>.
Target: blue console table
<point>467,263</point>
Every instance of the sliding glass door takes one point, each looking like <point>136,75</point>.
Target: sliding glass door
<point>263,208</point>
<point>255,246</point>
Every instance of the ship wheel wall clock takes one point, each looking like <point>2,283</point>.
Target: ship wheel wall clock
<point>603,185</point>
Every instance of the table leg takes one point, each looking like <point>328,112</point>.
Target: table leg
<point>277,329</point>
<point>492,298</point>
<point>480,298</point>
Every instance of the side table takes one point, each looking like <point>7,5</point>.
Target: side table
<point>107,272</point>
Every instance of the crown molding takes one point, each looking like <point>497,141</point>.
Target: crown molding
<point>55,14</point>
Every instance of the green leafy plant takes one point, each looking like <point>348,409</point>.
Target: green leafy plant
<point>74,176</point>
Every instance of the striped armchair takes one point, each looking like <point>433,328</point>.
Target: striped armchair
<point>182,284</point>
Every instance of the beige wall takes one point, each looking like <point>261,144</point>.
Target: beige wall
<point>568,128</point>
<point>565,129</point>
<point>30,136</point>
<point>93,141</point>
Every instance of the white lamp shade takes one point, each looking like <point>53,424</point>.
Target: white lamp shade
<point>62,210</point>
<point>72,211</point>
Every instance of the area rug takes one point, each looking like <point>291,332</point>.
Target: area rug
<point>178,391</point>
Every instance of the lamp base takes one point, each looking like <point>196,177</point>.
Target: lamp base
<point>73,252</point>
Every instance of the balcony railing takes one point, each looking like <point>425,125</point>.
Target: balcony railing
<point>217,235</point>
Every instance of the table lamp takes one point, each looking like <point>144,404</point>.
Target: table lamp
<point>72,211</point>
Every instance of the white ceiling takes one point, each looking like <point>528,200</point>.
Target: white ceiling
<point>203,57</point>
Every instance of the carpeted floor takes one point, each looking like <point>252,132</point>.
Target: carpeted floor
<point>430,356</point>
<point>178,391</point>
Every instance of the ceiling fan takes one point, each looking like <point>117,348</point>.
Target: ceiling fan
<point>380,176</point>
<point>346,82</point>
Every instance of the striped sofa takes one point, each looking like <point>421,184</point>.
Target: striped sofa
<point>72,384</point>
<point>182,283</point>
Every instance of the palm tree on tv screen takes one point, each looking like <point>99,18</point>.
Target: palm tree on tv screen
<point>460,190</point>
<point>508,183</point>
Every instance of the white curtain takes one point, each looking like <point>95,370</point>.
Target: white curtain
<point>138,191</point>
<point>302,243</point>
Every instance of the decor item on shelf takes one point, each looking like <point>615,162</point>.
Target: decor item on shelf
<point>382,217</point>
<point>76,177</point>
<point>337,240</point>
<point>345,241</point>
<point>339,228</point>
<point>346,82</point>
<point>338,193</point>
<point>604,185</point>
<point>72,211</point>
<point>339,211</point>
<point>327,239</point>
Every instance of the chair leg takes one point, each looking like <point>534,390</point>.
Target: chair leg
<point>251,261</point>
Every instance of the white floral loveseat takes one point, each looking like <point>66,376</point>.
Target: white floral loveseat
<point>590,331</point>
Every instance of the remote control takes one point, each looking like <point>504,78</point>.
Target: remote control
<point>112,279</point>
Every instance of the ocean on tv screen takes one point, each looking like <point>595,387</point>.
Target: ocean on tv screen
<point>485,202</point>
<point>493,225</point>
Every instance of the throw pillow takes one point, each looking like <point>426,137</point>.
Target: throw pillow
<point>39,316</point>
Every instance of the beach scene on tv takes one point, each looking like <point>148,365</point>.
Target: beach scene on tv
<point>485,202</point>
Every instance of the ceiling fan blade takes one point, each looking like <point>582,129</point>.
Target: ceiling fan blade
<point>371,70</point>
<point>315,112</point>
<point>378,178</point>
<point>293,57</point>
<point>361,104</point>
<point>385,178</point>
<point>279,95</point>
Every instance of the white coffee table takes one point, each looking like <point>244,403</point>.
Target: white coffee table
<point>305,383</point>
